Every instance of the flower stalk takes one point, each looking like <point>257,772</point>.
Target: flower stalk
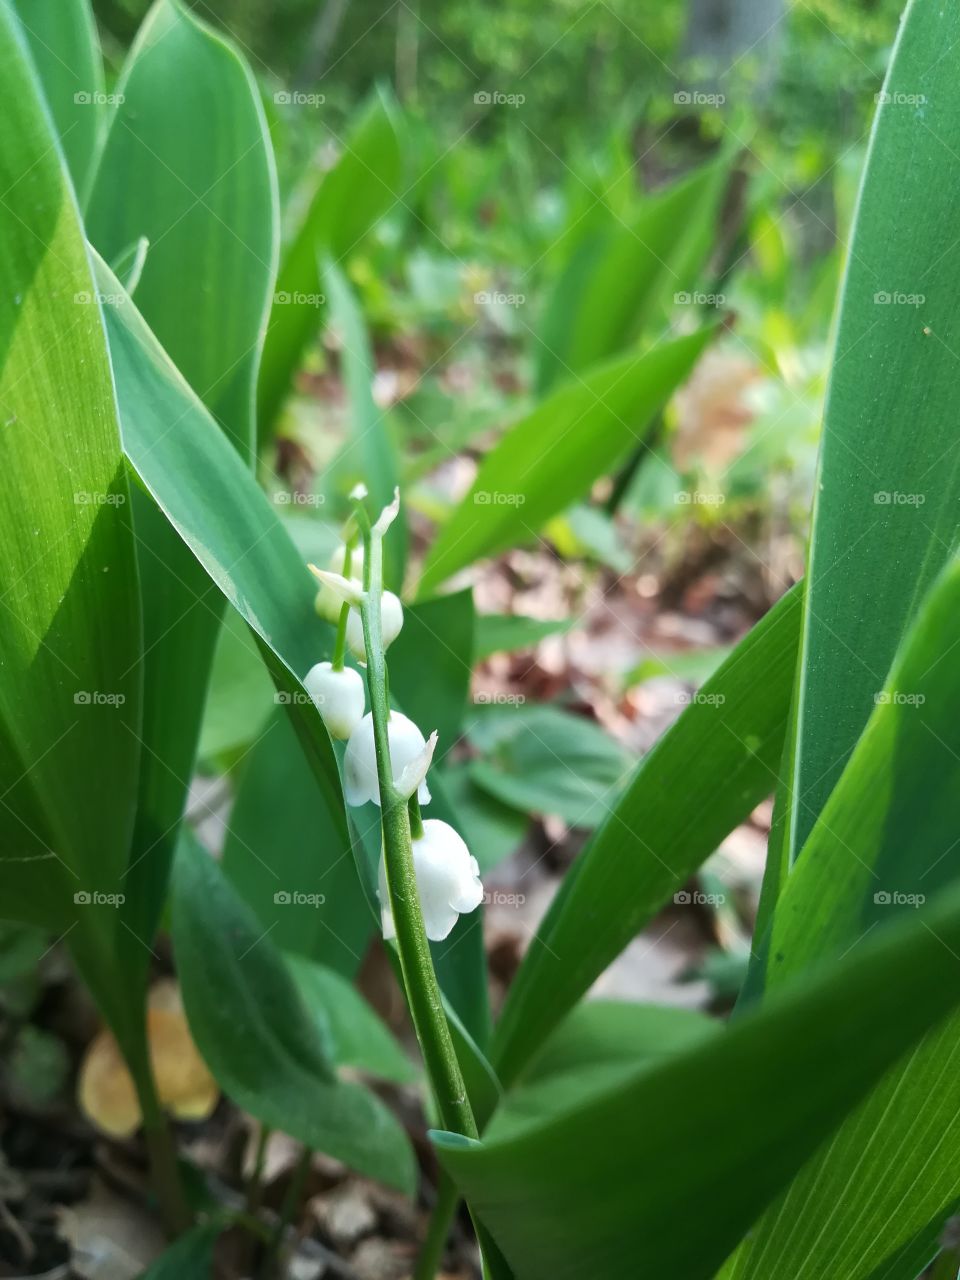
<point>416,963</point>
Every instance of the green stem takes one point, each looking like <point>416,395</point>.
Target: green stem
<point>416,819</point>
<point>162,1152</point>
<point>416,963</point>
<point>255,1185</point>
<point>291,1200</point>
<point>431,1255</point>
<point>340,645</point>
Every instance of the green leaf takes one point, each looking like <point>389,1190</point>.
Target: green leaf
<point>289,856</point>
<point>618,274</point>
<point>885,842</point>
<point>356,1035</point>
<point>188,164</point>
<point>704,776</point>
<point>553,455</point>
<point>599,1044</point>
<point>368,456</point>
<point>63,41</point>
<point>542,759</point>
<point>886,514</point>
<point>257,1037</point>
<point>349,200</point>
<point>190,1257</point>
<point>669,1167</point>
<point>240,694</point>
<point>436,640</point>
<point>511,632</point>
<point>69,625</point>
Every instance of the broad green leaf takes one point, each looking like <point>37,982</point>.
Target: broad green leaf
<point>187,163</point>
<point>888,502</point>
<point>553,455</point>
<point>884,844</point>
<point>510,632</point>
<point>350,199</point>
<point>226,520</point>
<point>356,1035</point>
<point>289,856</point>
<point>669,1167</point>
<point>240,693</point>
<point>186,166</point>
<point>542,759</point>
<point>702,778</point>
<point>600,1044</point>
<point>190,1257</point>
<point>257,1037</point>
<point>63,41</point>
<point>620,273</point>
<point>69,623</point>
<point>368,455</point>
<point>431,662</point>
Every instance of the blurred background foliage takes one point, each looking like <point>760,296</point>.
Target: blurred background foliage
<point>599,105</point>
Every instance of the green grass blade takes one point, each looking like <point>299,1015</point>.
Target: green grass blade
<point>662,1174</point>
<point>703,778</point>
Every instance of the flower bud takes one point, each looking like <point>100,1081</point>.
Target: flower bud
<point>329,602</point>
<point>448,881</point>
<point>338,695</point>
<point>407,744</point>
<point>391,622</point>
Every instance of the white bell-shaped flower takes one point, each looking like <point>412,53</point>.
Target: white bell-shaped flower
<point>407,745</point>
<point>391,622</point>
<point>448,881</point>
<point>338,695</point>
<point>329,603</point>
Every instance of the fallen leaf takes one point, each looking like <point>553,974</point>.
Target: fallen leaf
<point>185,1087</point>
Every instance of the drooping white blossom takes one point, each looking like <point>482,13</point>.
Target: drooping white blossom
<point>448,881</point>
<point>391,623</point>
<point>407,744</point>
<point>338,695</point>
<point>329,600</point>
